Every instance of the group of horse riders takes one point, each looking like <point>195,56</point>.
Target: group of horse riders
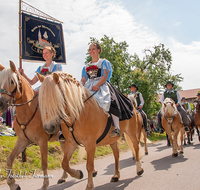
<point>96,77</point>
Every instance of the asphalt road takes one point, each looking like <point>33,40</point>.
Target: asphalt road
<point>161,172</point>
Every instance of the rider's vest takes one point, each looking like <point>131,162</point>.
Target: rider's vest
<point>186,105</point>
<point>138,99</point>
<point>173,96</point>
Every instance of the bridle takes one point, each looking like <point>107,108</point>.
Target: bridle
<point>169,118</point>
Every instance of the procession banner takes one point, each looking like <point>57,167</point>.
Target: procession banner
<point>38,33</point>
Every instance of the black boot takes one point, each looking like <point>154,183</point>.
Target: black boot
<point>162,130</point>
<point>186,129</point>
<point>115,133</point>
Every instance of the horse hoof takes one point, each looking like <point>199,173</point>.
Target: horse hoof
<point>94,174</point>
<point>114,179</point>
<point>181,152</point>
<point>168,144</point>
<point>133,158</point>
<point>18,188</point>
<point>81,174</point>
<point>140,172</point>
<point>146,153</point>
<point>175,155</point>
<point>61,181</point>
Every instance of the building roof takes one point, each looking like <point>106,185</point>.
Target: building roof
<point>189,93</point>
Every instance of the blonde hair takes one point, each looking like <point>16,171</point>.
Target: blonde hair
<point>52,50</point>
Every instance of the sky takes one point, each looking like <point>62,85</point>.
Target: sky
<point>142,24</point>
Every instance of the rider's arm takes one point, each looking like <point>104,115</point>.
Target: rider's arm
<point>141,101</point>
<point>179,99</point>
<point>162,98</point>
<point>31,81</point>
<point>189,107</point>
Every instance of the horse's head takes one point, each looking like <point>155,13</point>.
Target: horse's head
<point>60,97</point>
<point>196,105</point>
<point>169,110</point>
<point>132,97</point>
<point>9,84</point>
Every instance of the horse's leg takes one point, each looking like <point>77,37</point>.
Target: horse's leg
<point>174,149</point>
<point>182,132</point>
<point>44,152</point>
<point>132,134</point>
<point>168,140</point>
<point>68,152</point>
<point>19,147</point>
<point>115,149</point>
<point>175,144</point>
<point>145,142</point>
<point>198,133</point>
<point>90,149</point>
<point>188,137</point>
<point>64,175</point>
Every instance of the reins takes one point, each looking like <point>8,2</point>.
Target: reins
<point>71,128</point>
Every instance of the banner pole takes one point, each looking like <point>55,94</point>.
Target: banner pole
<point>20,35</point>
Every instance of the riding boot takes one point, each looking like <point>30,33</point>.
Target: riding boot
<point>186,129</point>
<point>144,120</point>
<point>61,137</point>
<point>116,132</point>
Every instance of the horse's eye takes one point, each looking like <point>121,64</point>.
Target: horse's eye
<point>11,81</point>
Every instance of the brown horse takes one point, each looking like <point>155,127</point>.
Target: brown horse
<point>191,130</point>
<point>171,122</point>
<point>28,125</point>
<point>61,96</point>
<point>142,135</point>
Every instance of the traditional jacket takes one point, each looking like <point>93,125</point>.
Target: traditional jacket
<point>174,95</point>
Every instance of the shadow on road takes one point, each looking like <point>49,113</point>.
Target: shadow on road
<point>166,162</point>
<point>122,163</point>
<point>120,185</point>
<point>65,185</point>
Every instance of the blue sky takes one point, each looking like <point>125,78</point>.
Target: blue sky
<point>141,23</point>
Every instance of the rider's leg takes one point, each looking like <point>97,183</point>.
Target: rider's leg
<point>116,132</point>
<point>160,122</point>
<point>144,117</point>
<point>184,117</point>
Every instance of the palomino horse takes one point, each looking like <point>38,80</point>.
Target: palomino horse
<point>141,131</point>
<point>191,130</point>
<point>28,125</point>
<point>62,97</point>
<point>197,116</point>
<point>171,122</point>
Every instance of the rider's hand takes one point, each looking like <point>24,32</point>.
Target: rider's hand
<point>177,105</point>
<point>83,81</point>
<point>139,107</point>
<point>21,71</point>
<point>95,88</point>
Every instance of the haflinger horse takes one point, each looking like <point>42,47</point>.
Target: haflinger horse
<point>173,125</point>
<point>62,97</point>
<point>142,135</point>
<point>197,116</point>
<point>28,124</point>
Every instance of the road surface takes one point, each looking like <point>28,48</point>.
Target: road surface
<point>161,172</point>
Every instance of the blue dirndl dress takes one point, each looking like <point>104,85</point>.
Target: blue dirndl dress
<point>108,97</point>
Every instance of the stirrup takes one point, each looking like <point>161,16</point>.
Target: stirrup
<point>60,136</point>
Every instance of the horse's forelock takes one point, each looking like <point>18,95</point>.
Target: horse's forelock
<point>168,108</point>
<point>6,75</point>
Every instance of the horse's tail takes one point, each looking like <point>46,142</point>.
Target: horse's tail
<point>142,139</point>
<point>130,144</point>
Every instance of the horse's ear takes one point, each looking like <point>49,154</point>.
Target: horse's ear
<point>2,67</point>
<point>40,77</point>
<point>56,78</point>
<point>12,66</point>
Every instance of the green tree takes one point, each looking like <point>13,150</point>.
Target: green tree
<point>149,74</point>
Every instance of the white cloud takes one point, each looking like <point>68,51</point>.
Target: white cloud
<point>186,59</point>
<point>177,24</point>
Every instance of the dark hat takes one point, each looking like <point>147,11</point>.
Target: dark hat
<point>169,82</point>
<point>183,98</point>
<point>198,94</point>
<point>134,85</point>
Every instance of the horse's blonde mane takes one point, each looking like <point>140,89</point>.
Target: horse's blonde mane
<point>65,99</point>
<point>6,75</point>
<point>172,110</point>
<point>133,99</point>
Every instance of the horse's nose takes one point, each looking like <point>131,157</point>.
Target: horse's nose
<point>50,129</point>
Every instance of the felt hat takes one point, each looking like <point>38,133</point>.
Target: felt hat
<point>134,85</point>
<point>169,82</point>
